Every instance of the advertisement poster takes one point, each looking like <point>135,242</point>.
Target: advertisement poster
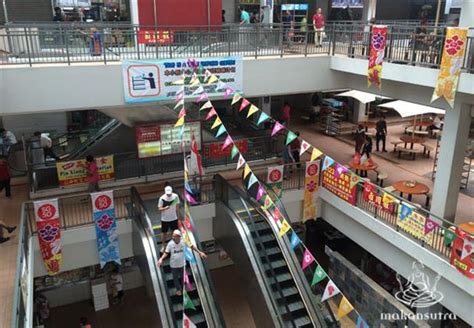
<point>311,185</point>
<point>105,227</point>
<point>155,37</point>
<point>414,224</point>
<point>340,186</point>
<point>148,139</point>
<point>49,234</point>
<point>74,172</point>
<point>215,151</point>
<point>275,179</point>
<point>153,80</point>
<point>377,50</point>
<point>386,202</point>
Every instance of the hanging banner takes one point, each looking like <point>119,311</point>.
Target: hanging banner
<point>153,80</point>
<point>311,185</point>
<point>414,224</point>
<point>49,234</point>
<point>105,227</point>
<point>378,41</point>
<point>386,202</point>
<point>275,179</point>
<point>340,186</point>
<point>74,172</point>
<point>451,63</point>
<point>152,36</point>
<point>215,150</point>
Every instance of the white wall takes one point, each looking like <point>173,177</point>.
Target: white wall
<point>28,124</point>
<point>230,7</point>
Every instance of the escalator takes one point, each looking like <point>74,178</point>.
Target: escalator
<point>266,263</point>
<point>159,280</point>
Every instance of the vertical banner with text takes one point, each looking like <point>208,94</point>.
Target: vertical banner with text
<point>378,40</point>
<point>105,226</point>
<point>49,234</point>
<point>275,179</point>
<point>311,185</point>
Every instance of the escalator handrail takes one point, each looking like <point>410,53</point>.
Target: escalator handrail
<point>164,300</point>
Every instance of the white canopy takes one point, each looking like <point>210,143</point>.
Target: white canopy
<point>405,108</point>
<point>363,97</point>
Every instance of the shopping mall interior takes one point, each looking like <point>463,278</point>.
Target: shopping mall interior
<point>237,163</point>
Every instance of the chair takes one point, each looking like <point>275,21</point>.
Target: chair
<point>381,175</point>
<point>389,189</point>
<point>427,150</point>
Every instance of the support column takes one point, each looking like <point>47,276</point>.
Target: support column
<point>134,12</point>
<point>267,11</point>
<point>369,10</point>
<point>450,161</point>
<point>467,14</point>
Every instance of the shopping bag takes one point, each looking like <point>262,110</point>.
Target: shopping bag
<point>363,159</point>
<point>356,158</point>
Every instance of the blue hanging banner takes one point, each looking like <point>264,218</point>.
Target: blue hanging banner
<point>105,227</point>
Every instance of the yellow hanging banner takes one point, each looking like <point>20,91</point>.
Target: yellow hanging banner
<point>285,227</point>
<point>344,308</point>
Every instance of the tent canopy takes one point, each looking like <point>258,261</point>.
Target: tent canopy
<point>363,97</point>
<point>405,108</point>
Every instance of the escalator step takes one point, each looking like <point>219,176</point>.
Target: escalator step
<point>269,251</point>
<point>303,322</point>
<point>276,265</point>
<point>293,306</point>
<point>258,226</point>
<point>267,238</point>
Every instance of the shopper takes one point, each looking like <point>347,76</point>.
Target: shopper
<point>381,133</point>
<point>244,16</point>
<point>84,323</point>
<point>318,25</point>
<point>116,281</point>
<point>437,124</point>
<point>295,146</point>
<point>254,18</point>
<point>359,138</point>
<point>92,174</point>
<point>366,148</point>
<point>8,139</point>
<point>5,176</point>
<point>286,114</point>
<point>175,249</point>
<point>47,145</point>
<point>223,16</point>
<point>3,226</point>
<point>168,204</point>
<point>287,160</point>
<point>58,15</point>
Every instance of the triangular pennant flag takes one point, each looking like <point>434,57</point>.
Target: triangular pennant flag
<point>189,255</point>
<point>178,82</point>
<point>187,302</point>
<point>182,112</point>
<point>405,211</point>
<point>430,225</point>
<point>247,170</point>
<point>228,92</point>
<point>240,162</point>
<point>253,109</point>
<point>189,198</point>
<point>235,98</point>
<point>181,131</point>
<point>319,275</point>
<point>189,287</point>
<point>328,161</point>
<point>290,137</point>
<point>211,113</point>
<point>180,96</point>
<point>234,152</point>
<point>186,238</point>
<point>212,79</point>
<point>361,323</point>
<point>304,147</point>
<point>277,127</point>
<point>179,103</point>
<point>187,187</point>
<point>187,323</point>
<point>180,121</point>
<point>285,227</point>
<point>220,131</point>
<point>307,259</point>
<point>467,248</point>
<point>340,169</point>
<point>330,290</point>
<point>220,85</point>
<point>202,97</point>
<point>195,81</point>
<point>207,74</point>
<point>228,141</point>
<point>276,215</point>
<point>387,199</point>
<point>207,104</point>
<point>344,308</point>
<point>216,123</point>
<point>260,192</point>
<point>315,154</point>
<point>253,179</point>
<point>295,240</point>
<point>354,180</point>
<point>187,223</point>
<point>198,91</point>
<point>267,203</point>
<point>263,117</point>
<point>449,237</point>
<point>244,104</point>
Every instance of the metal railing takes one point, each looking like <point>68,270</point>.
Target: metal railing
<point>69,43</point>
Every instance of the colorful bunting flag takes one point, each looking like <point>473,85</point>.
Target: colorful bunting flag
<point>361,323</point>
<point>315,154</point>
<point>189,255</point>
<point>253,179</point>
<point>240,162</point>
<point>221,85</point>
<point>252,110</point>
<point>202,97</point>
<point>405,211</point>
<point>195,81</point>
<point>307,259</point>
<point>295,240</point>
<point>187,323</point>
<point>328,161</point>
<point>211,113</point>
<point>277,127</point>
<point>227,142</point>
<point>198,91</point>
<point>178,82</point>
<point>189,198</point>
<point>263,117</point>
<point>290,137</point>
<point>234,152</point>
<point>318,276</point>
<point>330,290</point>
<point>228,92</point>
<point>180,121</point>
<point>179,103</point>
<point>267,203</point>
<point>247,170</point>
<point>276,215</point>
<point>430,225</point>
<point>285,227</point>
<point>467,248</point>
<point>187,223</point>
<point>179,96</point>
<point>354,180</point>
<point>181,133</point>
<point>260,192</point>
<point>187,302</point>
<point>216,123</point>
<point>449,237</point>
<point>207,74</point>
<point>206,105</point>
<point>387,199</point>
<point>236,98</point>
<point>340,169</point>
<point>304,147</point>
<point>182,112</point>
<point>243,104</point>
<point>212,79</point>
<point>344,308</point>
<point>220,131</point>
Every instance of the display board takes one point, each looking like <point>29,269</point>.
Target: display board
<point>339,185</point>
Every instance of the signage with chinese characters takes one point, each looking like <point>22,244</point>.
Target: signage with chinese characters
<point>414,224</point>
<point>148,140</point>
<point>215,151</point>
<point>340,186</point>
<point>311,185</point>
<point>74,172</point>
<point>156,37</point>
<point>275,179</point>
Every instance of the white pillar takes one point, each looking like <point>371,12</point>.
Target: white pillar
<point>267,6</point>
<point>134,12</point>
<point>359,112</point>
<point>370,7</point>
<point>450,161</point>
<point>467,13</point>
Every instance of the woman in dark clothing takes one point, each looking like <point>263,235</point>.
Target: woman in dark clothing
<point>359,138</point>
<point>367,147</point>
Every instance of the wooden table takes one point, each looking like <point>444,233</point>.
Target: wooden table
<point>368,125</point>
<point>363,168</point>
<point>417,189</point>
<point>412,140</point>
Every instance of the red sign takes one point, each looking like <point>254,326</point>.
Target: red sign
<point>370,195</point>
<point>155,37</point>
<point>340,186</point>
<point>103,202</point>
<point>215,150</point>
<point>147,133</point>
<point>275,176</point>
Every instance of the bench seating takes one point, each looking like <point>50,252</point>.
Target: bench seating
<point>427,150</point>
<point>395,144</point>
<point>381,176</point>
<point>411,152</point>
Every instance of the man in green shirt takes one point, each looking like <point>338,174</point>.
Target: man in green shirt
<point>244,16</point>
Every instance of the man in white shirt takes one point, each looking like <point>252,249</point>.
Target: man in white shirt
<point>47,145</point>
<point>8,139</point>
<point>168,204</point>
<point>117,283</point>
<point>175,249</point>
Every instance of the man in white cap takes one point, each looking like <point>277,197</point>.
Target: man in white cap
<point>168,204</point>
<point>175,249</point>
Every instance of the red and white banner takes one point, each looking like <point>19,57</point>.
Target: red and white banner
<point>311,182</point>
<point>49,234</point>
<point>378,40</point>
<point>275,179</point>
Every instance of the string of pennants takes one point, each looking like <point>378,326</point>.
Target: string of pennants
<point>261,195</point>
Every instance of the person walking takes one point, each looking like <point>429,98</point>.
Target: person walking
<point>116,281</point>
<point>367,148</point>
<point>318,25</point>
<point>46,144</point>
<point>5,177</point>
<point>381,133</point>
<point>286,114</point>
<point>175,249</point>
<point>295,146</point>
<point>92,174</point>
<point>3,226</point>
<point>8,139</point>
<point>168,205</point>
<point>359,139</point>
<point>287,160</point>
<point>244,16</point>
